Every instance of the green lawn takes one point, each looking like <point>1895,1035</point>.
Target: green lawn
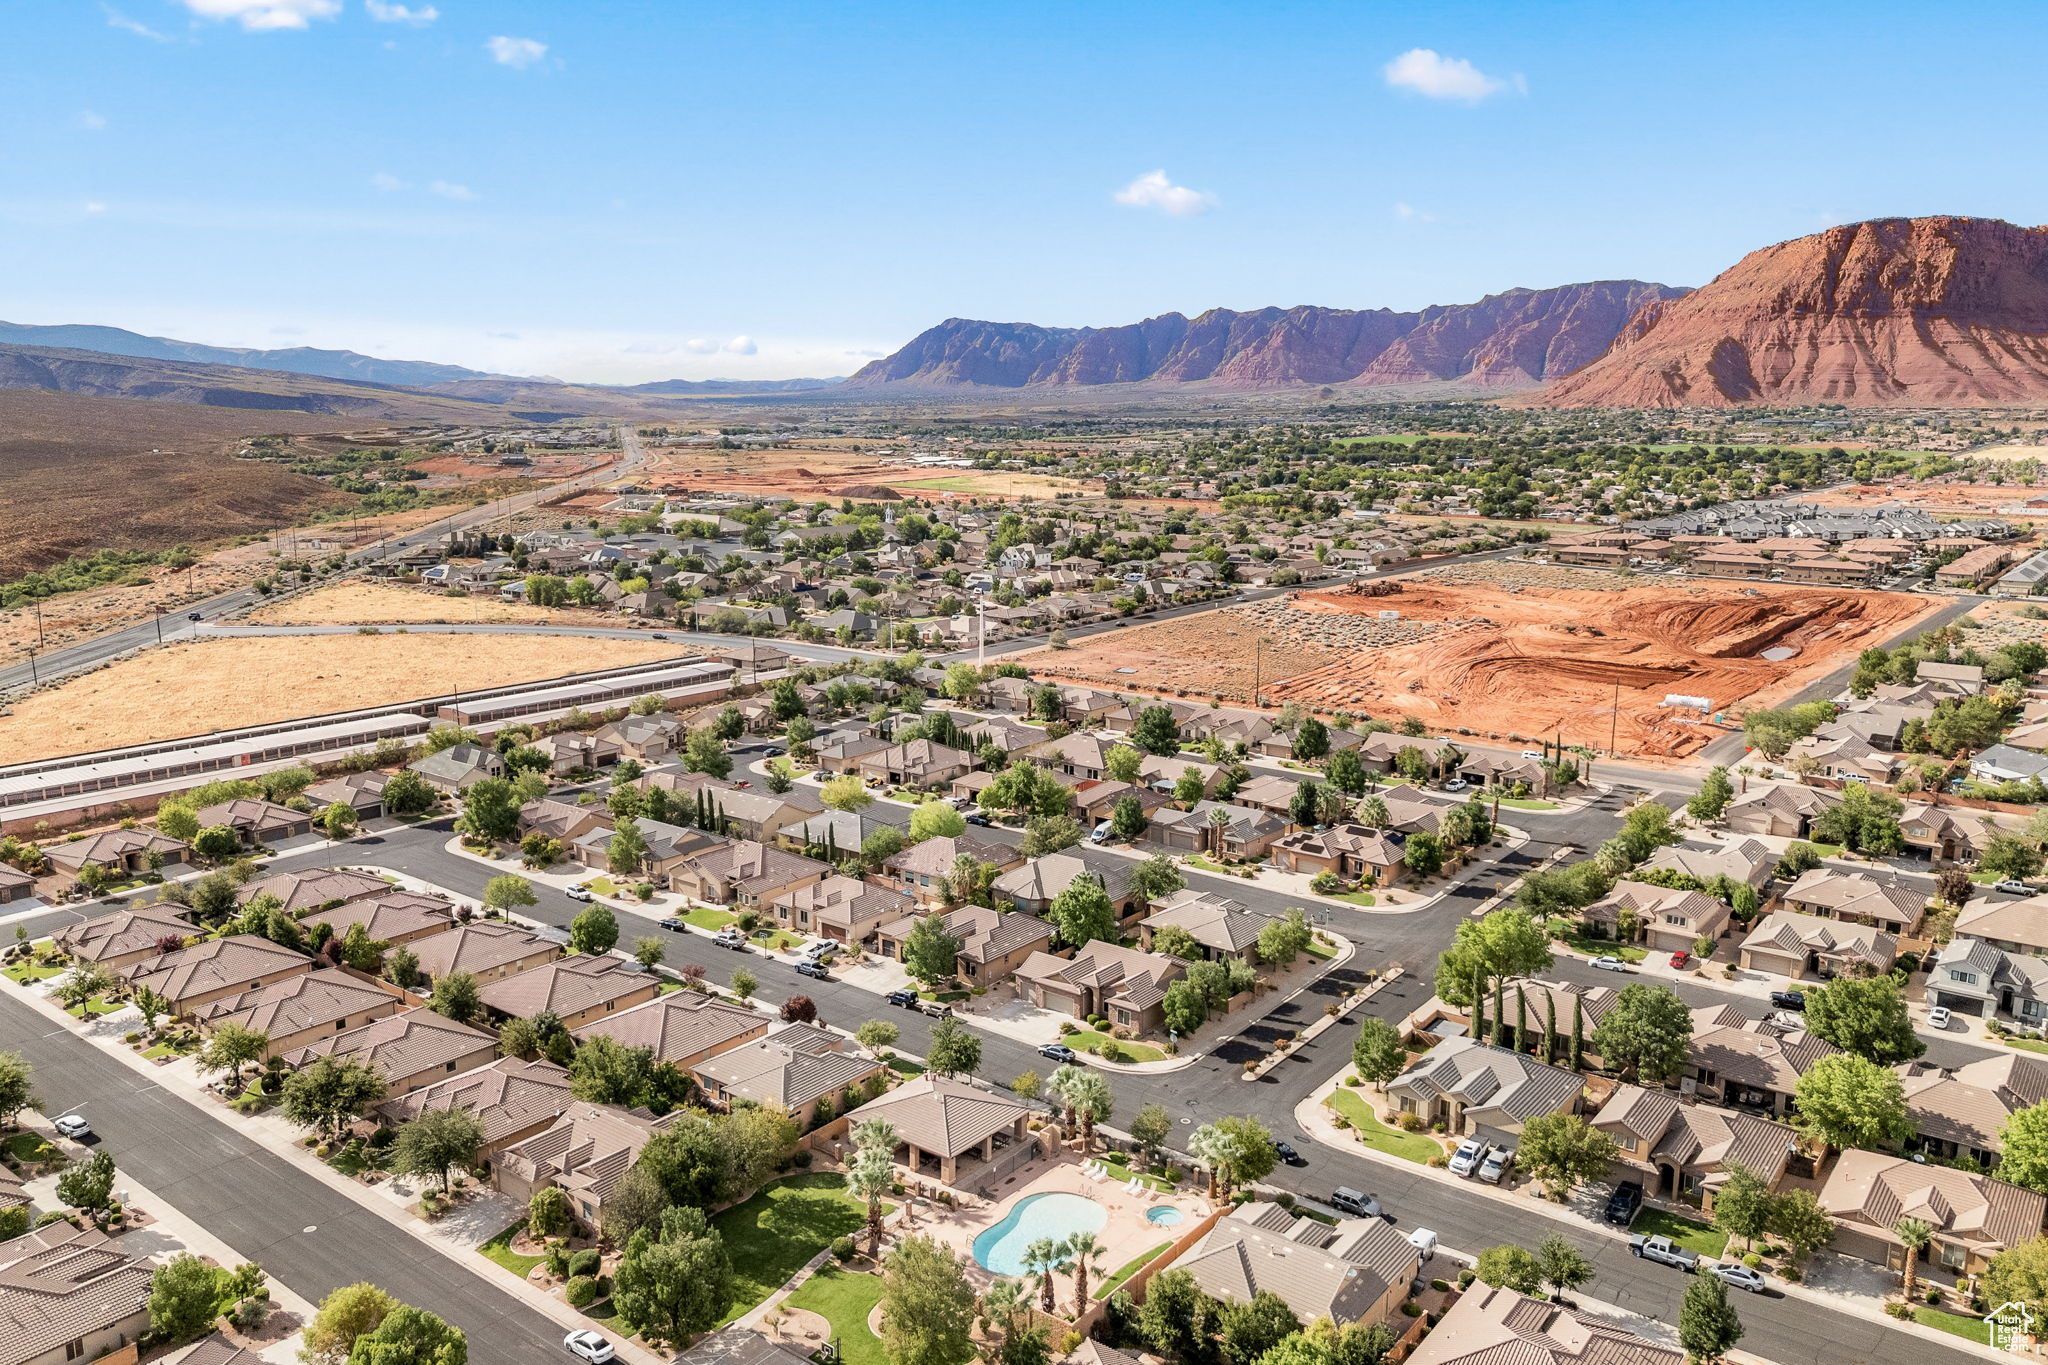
<point>1970,1329</point>
<point>1527,803</point>
<point>1578,940</point>
<point>704,917</point>
<point>499,1249</point>
<point>602,885</point>
<point>844,1299</point>
<point>31,1147</point>
<point>772,1235</point>
<point>2027,1044</point>
<point>1378,1136</point>
<point>903,1066</point>
<point>29,971</point>
<point>1128,1269</point>
<point>1355,898</point>
<point>1121,1172</point>
<point>1683,1232</point>
<point>1318,948</point>
<point>776,939</point>
<point>99,1004</point>
<point>1087,1040</point>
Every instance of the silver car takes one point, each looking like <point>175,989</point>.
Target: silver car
<point>1741,1276</point>
<point>1496,1165</point>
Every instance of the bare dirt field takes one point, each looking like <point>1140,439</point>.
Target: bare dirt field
<point>1498,651</point>
<point>1952,499</point>
<point>812,472</point>
<point>209,685</point>
<point>358,603</point>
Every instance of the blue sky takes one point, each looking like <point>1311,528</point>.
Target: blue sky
<point>622,191</point>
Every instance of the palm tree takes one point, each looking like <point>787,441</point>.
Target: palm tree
<point>1211,1146</point>
<point>1372,812</point>
<point>1003,1303</point>
<point>1914,1234</point>
<point>1063,1085</point>
<point>1085,1250</point>
<point>873,1173</point>
<point>1219,821</point>
<point>1043,1258</point>
<point>1089,1096</point>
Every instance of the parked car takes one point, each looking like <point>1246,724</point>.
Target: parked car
<point>1496,1165</point>
<point>2017,888</point>
<point>818,949</point>
<point>1533,753</point>
<point>1624,1203</point>
<point>907,999</point>
<point>73,1126</point>
<point>1100,834</point>
<point>1347,1200</point>
<point>1056,1052</point>
<point>580,893</point>
<point>1680,958</point>
<point>937,1009</point>
<point>1609,964</point>
<point>1456,784</point>
<point>1470,1153</point>
<point>813,969</point>
<point>674,922</point>
<point>1285,1151</point>
<point>1938,1017</point>
<point>1664,1251</point>
<point>730,938</point>
<point>1789,1000</point>
<point>1424,1242</point>
<point>979,819</point>
<point>585,1344</point>
<point>1741,1276</point>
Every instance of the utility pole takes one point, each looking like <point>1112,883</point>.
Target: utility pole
<point>1614,727</point>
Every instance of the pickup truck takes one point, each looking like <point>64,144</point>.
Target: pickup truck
<point>1660,1249</point>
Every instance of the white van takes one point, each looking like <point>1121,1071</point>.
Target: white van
<point>1101,833</point>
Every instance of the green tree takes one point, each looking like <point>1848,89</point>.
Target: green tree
<point>883,843</point>
<point>1156,731</point>
<point>1156,878</point>
<point>1866,1016</point>
<point>337,821</point>
<point>594,931</point>
<point>1250,1329</point>
<point>1510,1267</point>
<point>928,1305</point>
<point>17,1087</point>
<point>1797,1216</point>
<point>1083,912</point>
<point>626,851</point>
<point>936,820</point>
<point>216,844</point>
<point>352,1311</point>
<point>2019,1274</point>
<point>678,1282</point>
<point>930,953</point>
<point>1564,1152</point>
<point>954,1049</point>
<point>327,1095</point>
<point>2023,1143</point>
<point>1378,1052</point>
<point>877,1034</point>
<point>457,996</point>
<point>1177,1319</point>
<point>434,1142</point>
<point>1715,792</point>
<point>547,1213</point>
<point>1346,772</point>
<point>1423,854</point>
<point>184,1298</point>
<point>1045,834</point>
<point>231,1047</point>
<point>407,793</point>
<point>1151,1127</point>
<point>704,752</point>
<point>490,810</point>
<point>1506,943</point>
<point>411,1336</point>
<point>88,1184</point>
<point>1122,763</point>
<point>1848,1101</point>
<point>1742,1207</point>
<point>1645,1033</point>
<point>1707,1325</point>
<point>1311,740</point>
<point>847,793</point>
<point>509,891</point>
<point>606,1071</point>
<point>1127,819</point>
<point>1562,1265</point>
<point>1284,939</point>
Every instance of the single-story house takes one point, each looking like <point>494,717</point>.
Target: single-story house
<point>1782,809</point>
<point>458,767</point>
<point>1734,1059</point>
<point>992,944</point>
<point>564,821</point>
<point>1035,885</point>
<point>398,917</point>
<point>119,940</point>
<point>840,908</point>
<point>1355,1271</point>
<point>1958,1114</point>
<point>410,1049</point>
<point>1122,984</point>
<point>487,951</point>
<point>948,1126</point>
<point>1349,851</point>
<point>70,1294</point>
<point>1974,1216</point>
<point>1888,903</point>
<point>577,990</point>
<point>1489,1326</point>
<point>362,793</point>
<point>1224,928</point>
<point>1685,1150</point>
<point>1790,944</point>
<point>922,763</point>
<point>585,1151</point>
<point>302,1009</point>
<point>256,822</point>
<point>918,870</point>
<point>1669,920</point>
<point>124,850</point>
<point>682,1027</point>
<point>512,1099</point>
<point>2016,926</point>
<point>1741,860</point>
<point>213,969</point>
<point>1482,1090</point>
<point>744,872</point>
<point>793,1068</point>
<point>299,892</point>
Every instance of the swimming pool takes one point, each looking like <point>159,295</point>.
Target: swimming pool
<point>1056,1214</point>
<point>1163,1215</point>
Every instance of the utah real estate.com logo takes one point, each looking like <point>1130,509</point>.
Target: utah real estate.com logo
<point>2012,1326</point>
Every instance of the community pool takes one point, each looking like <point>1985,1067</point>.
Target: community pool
<point>1163,1215</point>
<point>1056,1215</point>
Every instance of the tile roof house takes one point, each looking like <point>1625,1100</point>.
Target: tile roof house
<point>511,1098</point>
<point>682,1027</point>
<point>844,909</point>
<point>1755,1062</point>
<point>1224,928</point>
<point>484,949</point>
<point>1350,851</point>
<point>792,1068</point>
<point>1482,1090</point>
<point>362,793</point>
<point>299,892</point>
<point>1742,860</point>
<point>917,870</point>
<point>644,738</point>
<point>256,822</point>
<point>949,1126</point>
<point>993,944</point>
<point>69,1294</point>
<point>1489,1326</point>
<point>1973,976</point>
<point>215,968</point>
<point>1974,1216</point>
<point>1959,1113</point>
<point>744,872</point>
<point>1686,1149</point>
<point>1102,979</point>
<point>125,937</point>
<point>410,1049</point>
<point>669,847</point>
<point>1887,902</point>
<point>920,763</point>
<point>125,849</point>
<point>1355,1271</point>
<point>577,990</point>
<point>396,917</point>
<point>1670,920</point>
<point>300,1010</point>
<point>2016,926</point>
<point>1038,882</point>
<point>1243,833</point>
<point>562,820</point>
<point>1790,944</point>
<point>585,1151</point>
<point>1780,808</point>
<point>458,767</point>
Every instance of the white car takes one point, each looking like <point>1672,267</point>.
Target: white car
<point>1468,1156</point>
<point>1741,1276</point>
<point>1496,1165</point>
<point>1456,784</point>
<point>1531,753</point>
<point>73,1126</point>
<point>585,1344</point>
<point>1610,964</point>
<point>1938,1017</point>
<point>579,893</point>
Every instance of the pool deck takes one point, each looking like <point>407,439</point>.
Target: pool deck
<point>1125,1234</point>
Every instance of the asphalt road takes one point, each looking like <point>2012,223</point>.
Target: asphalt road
<point>308,1236</point>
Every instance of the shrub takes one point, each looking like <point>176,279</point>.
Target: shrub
<point>1933,1294</point>
<point>558,1261</point>
<point>1465,1278</point>
<point>1410,1122</point>
<point>843,1248</point>
<point>1752,1260</point>
<point>585,1262</point>
<point>1411,1309</point>
<point>1899,1310</point>
<point>802,1160</point>
<point>582,1291</point>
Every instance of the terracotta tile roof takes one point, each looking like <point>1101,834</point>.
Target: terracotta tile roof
<point>567,986</point>
<point>1872,1191</point>
<point>1489,1079</point>
<point>1489,1326</point>
<point>303,891</point>
<point>679,1024</point>
<point>945,1115</point>
<point>846,903</point>
<point>313,999</point>
<point>401,1045</point>
<point>588,1148</point>
<point>478,947</point>
<point>1215,922</point>
<point>399,914</point>
<point>1853,894</point>
<point>790,1067</point>
<point>237,960</point>
<point>1124,975</point>
<point>1787,931</point>
<point>1338,1272</point>
<point>1970,1104</point>
<point>60,1283</point>
<point>123,932</point>
<point>1754,1052</point>
<point>507,1096</point>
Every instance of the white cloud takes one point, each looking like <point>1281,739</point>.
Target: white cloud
<point>386,13</point>
<point>387,182</point>
<point>517,53</point>
<point>91,121</point>
<point>258,15</point>
<point>1154,191</point>
<point>699,346</point>
<point>1408,213</point>
<point>116,19</point>
<point>741,346</point>
<point>95,206</point>
<point>449,190</point>
<point>1443,78</point>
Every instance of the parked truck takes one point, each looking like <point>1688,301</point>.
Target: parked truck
<point>1662,1249</point>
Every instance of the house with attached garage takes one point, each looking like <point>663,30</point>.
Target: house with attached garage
<point>214,969</point>
<point>70,1294</point>
<point>1483,1091</point>
<point>577,990</point>
<point>1352,852</point>
<point>1780,809</point>
<point>1971,976</point>
<point>585,1151</point>
<point>512,1099</point>
<point>1355,1270</point>
<point>1224,928</point>
<point>1791,945</point>
<point>1755,1063</point>
<point>362,793</point>
<point>2016,926</point>
<point>124,938</point>
<point>1034,886</point>
<point>744,873</point>
<point>458,767</point>
<point>299,892</point>
<point>486,950</point>
<point>398,917</point>
<point>1745,861</point>
<point>793,1068</point>
<point>1974,1217</point>
<point>992,944</point>
<point>410,1049</point>
<point>123,850</point>
<point>844,909</point>
<point>1102,979</point>
<point>1957,1114</point>
<point>1669,921</point>
<point>1489,1326</point>
<point>682,1027</point>
<point>1887,902</point>
<point>300,1010</point>
<point>1683,1150</point>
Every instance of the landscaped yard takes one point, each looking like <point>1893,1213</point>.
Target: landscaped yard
<point>1527,803</point>
<point>499,1249</point>
<point>29,971</point>
<point>1128,1269</point>
<point>785,1224</point>
<point>1087,1040</point>
<point>777,939</point>
<point>845,1299</point>
<point>904,1067</point>
<point>603,885</point>
<point>705,917</point>
<point>1578,940</point>
<point>2027,1044</point>
<point>1684,1232</point>
<point>1355,898</point>
<point>1378,1136</point>
<point>1971,1329</point>
<point>1121,1172</point>
<point>99,1004</point>
<point>31,1147</point>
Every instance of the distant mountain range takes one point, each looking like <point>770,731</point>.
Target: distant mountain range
<point>292,360</point>
<point>1511,340</point>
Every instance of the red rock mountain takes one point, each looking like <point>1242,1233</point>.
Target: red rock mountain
<point>1511,340</point>
<point>1895,310</point>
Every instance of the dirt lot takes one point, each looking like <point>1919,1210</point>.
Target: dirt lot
<point>1941,499</point>
<point>1498,651</point>
<point>215,684</point>
<point>357,603</point>
<point>812,472</point>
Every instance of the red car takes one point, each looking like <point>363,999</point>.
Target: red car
<point>1680,958</point>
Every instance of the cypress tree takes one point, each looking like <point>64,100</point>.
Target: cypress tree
<point>1500,1027</point>
<point>1478,1010</point>
<point>1550,1028</point>
<point>1521,1019</point>
<point>1578,1034</point>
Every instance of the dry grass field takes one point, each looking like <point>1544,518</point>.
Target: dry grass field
<point>357,603</point>
<point>192,689</point>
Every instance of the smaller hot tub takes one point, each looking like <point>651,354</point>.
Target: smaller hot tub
<point>1163,1215</point>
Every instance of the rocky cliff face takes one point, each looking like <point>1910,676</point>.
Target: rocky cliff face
<point>1510,340</point>
<point>1896,310</point>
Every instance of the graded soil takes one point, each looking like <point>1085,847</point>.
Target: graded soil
<point>358,603</point>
